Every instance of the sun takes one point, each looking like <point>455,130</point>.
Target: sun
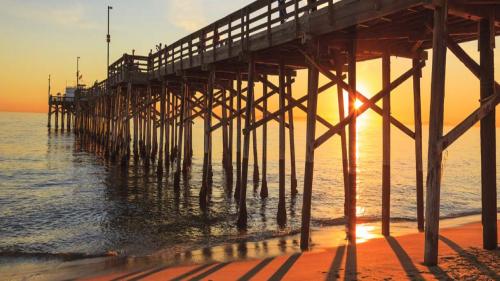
<point>358,104</point>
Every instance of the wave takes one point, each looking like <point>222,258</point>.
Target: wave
<point>219,240</point>
<point>57,256</point>
<point>371,219</point>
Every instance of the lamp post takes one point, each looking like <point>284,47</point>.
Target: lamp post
<point>108,39</point>
<point>77,72</point>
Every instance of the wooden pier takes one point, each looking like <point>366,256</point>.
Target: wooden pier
<point>146,108</point>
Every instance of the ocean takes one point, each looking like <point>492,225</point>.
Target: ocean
<point>57,198</point>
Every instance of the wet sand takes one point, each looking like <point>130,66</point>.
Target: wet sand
<point>373,257</point>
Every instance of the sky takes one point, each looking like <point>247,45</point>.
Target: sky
<point>39,38</point>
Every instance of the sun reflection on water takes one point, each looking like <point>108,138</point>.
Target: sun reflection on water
<point>366,232</point>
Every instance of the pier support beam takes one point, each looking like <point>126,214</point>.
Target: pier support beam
<point>255,153</point>
<point>229,173</point>
<point>488,137</point>
<point>351,194</point>
<point>386,147</point>
<point>264,192</point>
<point>50,112</point>
<point>177,175</point>
<point>167,130</point>
<point>238,138</point>
<point>225,144</point>
<point>435,133</point>
<point>163,95</point>
<point>418,145</point>
<point>242,214</point>
<point>291,134</point>
<point>339,62</point>
<point>207,141</point>
<point>281,216</point>
<point>56,120</point>
<point>312,104</point>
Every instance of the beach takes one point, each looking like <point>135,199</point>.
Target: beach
<point>374,257</point>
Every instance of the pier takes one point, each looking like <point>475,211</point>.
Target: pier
<point>145,109</point>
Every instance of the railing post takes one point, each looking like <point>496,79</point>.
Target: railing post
<point>269,14</point>
<point>242,30</point>
<point>230,37</point>
<point>296,15</point>
<point>190,51</point>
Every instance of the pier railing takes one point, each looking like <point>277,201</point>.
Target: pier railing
<point>120,69</point>
<point>60,99</point>
<point>231,32</point>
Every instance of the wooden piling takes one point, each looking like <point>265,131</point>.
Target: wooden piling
<point>418,146</point>
<point>281,216</point>
<point>312,104</point>
<point>238,138</point>
<point>488,136</point>
<point>62,116</point>
<point>49,115</point>
<point>435,134</point>
<point>291,135</point>
<point>68,118</point>
<point>242,213</point>
<point>339,62</point>
<point>207,140</point>
<point>56,119</point>
<point>167,130</point>
<point>136,124</point>
<point>224,136</point>
<point>255,153</point>
<point>177,175</point>
<point>351,195</point>
<point>163,101</point>
<point>229,173</point>
<point>264,192</point>
<point>386,146</point>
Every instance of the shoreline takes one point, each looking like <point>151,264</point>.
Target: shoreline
<point>323,238</point>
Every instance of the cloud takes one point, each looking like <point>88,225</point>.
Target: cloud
<point>186,14</point>
<point>70,15</point>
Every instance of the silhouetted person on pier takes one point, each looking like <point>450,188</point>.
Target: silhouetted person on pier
<point>216,39</point>
<point>311,7</point>
<point>282,10</point>
<point>201,44</point>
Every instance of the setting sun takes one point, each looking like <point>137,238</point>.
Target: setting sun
<point>358,104</point>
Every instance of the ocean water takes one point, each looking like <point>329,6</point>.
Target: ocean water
<point>56,197</point>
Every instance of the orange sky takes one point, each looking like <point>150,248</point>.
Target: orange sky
<point>42,39</point>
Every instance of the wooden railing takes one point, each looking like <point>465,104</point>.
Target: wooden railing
<point>120,69</point>
<point>230,31</point>
<point>59,99</point>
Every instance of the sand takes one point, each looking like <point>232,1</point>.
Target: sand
<point>393,258</point>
